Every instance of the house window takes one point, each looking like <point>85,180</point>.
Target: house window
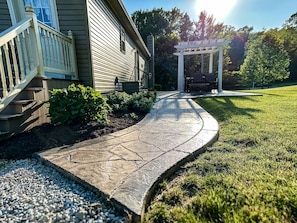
<point>123,40</point>
<point>45,11</point>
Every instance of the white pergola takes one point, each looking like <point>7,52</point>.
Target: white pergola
<point>200,47</point>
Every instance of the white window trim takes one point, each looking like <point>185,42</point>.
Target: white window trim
<point>10,5</point>
<point>18,4</point>
<point>54,12</point>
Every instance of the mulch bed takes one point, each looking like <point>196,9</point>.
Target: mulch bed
<point>47,136</point>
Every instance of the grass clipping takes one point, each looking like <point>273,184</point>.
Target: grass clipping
<point>249,175</point>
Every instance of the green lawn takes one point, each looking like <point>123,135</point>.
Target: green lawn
<point>249,175</point>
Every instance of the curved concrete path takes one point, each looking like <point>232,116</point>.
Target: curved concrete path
<point>126,165</point>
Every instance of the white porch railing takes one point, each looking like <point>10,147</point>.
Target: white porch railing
<point>31,48</point>
<point>58,51</point>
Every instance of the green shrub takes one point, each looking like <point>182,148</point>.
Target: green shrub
<point>158,87</point>
<point>77,103</point>
<point>134,116</point>
<point>138,102</point>
<point>119,101</point>
<point>142,101</point>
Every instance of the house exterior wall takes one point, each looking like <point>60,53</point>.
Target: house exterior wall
<point>96,29</point>
<point>5,20</point>
<point>73,16</point>
<point>108,61</point>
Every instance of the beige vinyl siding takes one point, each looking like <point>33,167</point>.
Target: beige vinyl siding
<point>73,16</point>
<point>107,59</point>
<point>5,20</point>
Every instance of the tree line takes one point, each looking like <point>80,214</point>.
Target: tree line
<point>252,58</point>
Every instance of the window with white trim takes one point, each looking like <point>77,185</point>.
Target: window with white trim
<point>45,11</point>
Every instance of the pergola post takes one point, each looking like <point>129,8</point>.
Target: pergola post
<point>220,70</point>
<point>210,63</point>
<point>181,78</point>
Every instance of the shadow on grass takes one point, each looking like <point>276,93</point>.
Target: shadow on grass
<point>223,108</point>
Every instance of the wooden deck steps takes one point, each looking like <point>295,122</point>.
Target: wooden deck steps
<point>23,110</point>
<point>6,117</point>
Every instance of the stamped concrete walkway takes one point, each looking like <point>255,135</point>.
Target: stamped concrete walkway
<point>126,165</point>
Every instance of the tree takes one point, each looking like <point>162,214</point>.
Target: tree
<point>165,26</point>
<point>165,61</point>
<point>289,37</point>
<point>237,47</point>
<point>168,28</point>
<point>291,22</point>
<point>150,22</point>
<point>206,29</point>
<point>174,18</point>
<point>289,34</point>
<point>266,60</point>
<point>186,27</point>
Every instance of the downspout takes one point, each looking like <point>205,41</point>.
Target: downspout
<point>151,48</point>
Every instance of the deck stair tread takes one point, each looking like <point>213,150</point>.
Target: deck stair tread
<point>9,116</point>
<point>33,89</point>
<point>22,101</point>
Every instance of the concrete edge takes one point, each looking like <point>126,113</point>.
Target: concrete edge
<point>171,170</point>
<point>152,191</point>
<point>119,207</point>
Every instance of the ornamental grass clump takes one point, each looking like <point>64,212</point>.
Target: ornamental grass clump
<point>77,103</point>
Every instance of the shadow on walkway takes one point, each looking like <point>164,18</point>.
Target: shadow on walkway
<point>125,166</point>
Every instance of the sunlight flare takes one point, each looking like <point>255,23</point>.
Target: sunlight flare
<point>218,8</point>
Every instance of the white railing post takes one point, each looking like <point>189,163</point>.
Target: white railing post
<point>36,38</point>
<point>15,62</point>
<point>3,79</point>
<point>73,54</point>
<point>8,66</point>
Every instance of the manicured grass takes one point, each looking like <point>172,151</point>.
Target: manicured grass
<point>249,175</point>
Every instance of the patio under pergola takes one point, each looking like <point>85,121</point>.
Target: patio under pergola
<point>210,47</point>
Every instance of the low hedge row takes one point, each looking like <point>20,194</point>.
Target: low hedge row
<point>80,103</point>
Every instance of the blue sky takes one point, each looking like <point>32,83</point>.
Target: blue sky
<point>261,14</point>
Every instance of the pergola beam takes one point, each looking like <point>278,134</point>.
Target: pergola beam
<point>196,52</point>
<point>201,44</point>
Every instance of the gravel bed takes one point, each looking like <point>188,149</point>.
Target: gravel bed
<point>33,192</point>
